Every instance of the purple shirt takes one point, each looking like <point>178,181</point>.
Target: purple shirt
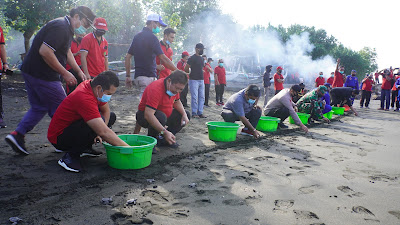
<point>351,82</point>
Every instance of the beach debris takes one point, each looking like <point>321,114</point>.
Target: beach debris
<point>155,186</point>
<point>15,220</point>
<point>150,181</point>
<point>131,201</point>
<point>192,185</point>
<point>190,157</point>
<point>207,155</point>
<point>106,201</point>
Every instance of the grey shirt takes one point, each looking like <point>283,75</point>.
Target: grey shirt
<point>280,100</point>
<point>238,104</point>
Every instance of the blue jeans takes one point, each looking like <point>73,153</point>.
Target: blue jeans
<point>385,97</point>
<point>197,92</point>
<point>44,97</point>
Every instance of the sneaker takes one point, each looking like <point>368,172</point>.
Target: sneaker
<point>2,123</point>
<point>202,116</point>
<point>58,150</point>
<point>391,108</point>
<point>361,106</point>
<point>282,126</point>
<point>246,132</point>
<point>218,104</point>
<point>367,107</point>
<point>91,152</point>
<point>70,163</point>
<point>396,110</point>
<point>222,103</point>
<point>17,142</point>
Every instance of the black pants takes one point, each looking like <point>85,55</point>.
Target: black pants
<point>70,88</point>
<point>281,113</point>
<point>253,116</point>
<point>79,136</point>
<point>173,122</point>
<point>277,91</point>
<point>394,96</point>
<point>1,101</point>
<point>365,95</point>
<point>206,93</point>
<point>219,92</point>
<point>183,95</point>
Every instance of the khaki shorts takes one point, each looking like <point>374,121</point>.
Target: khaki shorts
<point>142,82</point>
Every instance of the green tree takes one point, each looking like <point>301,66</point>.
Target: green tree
<point>28,16</point>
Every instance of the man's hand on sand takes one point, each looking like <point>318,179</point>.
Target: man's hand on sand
<point>128,82</point>
<point>304,128</point>
<point>169,137</point>
<point>256,134</point>
<point>326,120</point>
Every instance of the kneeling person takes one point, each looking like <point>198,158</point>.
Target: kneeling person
<point>343,95</point>
<point>84,118</point>
<point>160,106</point>
<point>243,106</point>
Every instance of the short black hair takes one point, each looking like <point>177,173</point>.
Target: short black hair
<point>296,88</point>
<point>253,90</point>
<point>169,31</point>
<point>178,76</point>
<point>83,12</point>
<point>105,80</point>
<point>204,56</point>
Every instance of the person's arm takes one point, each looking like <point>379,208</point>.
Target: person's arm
<point>153,122</point>
<point>3,56</point>
<point>209,69</point>
<point>179,107</point>
<point>354,110</point>
<point>84,64</point>
<point>187,67</point>
<point>128,80</point>
<point>106,63</point>
<point>50,58</point>
<point>105,112</point>
<point>337,64</point>
<point>290,105</point>
<point>71,61</point>
<point>167,62</point>
<point>101,129</point>
<point>216,81</point>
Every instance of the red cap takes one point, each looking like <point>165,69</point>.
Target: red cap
<point>100,23</point>
<point>279,68</point>
<point>185,53</point>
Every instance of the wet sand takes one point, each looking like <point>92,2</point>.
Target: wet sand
<point>345,172</point>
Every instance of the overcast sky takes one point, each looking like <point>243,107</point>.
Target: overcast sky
<point>354,23</point>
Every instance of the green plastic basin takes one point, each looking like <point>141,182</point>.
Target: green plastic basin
<point>268,124</point>
<point>329,115</point>
<point>222,131</point>
<point>303,117</point>
<point>136,156</point>
<point>338,110</point>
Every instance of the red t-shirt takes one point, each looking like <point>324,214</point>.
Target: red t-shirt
<point>330,80</point>
<point>277,85</point>
<point>376,75</point>
<point>206,74</point>
<point>338,79</point>
<point>367,85</point>
<point>155,97</point>
<point>168,52</point>
<point>320,81</point>
<point>221,74</point>
<point>181,65</point>
<point>2,42</point>
<point>97,53</point>
<point>80,104</point>
<point>386,85</point>
<point>74,49</point>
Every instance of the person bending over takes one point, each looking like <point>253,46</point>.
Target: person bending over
<point>343,95</point>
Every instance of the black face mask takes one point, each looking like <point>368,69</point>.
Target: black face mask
<point>100,32</point>
<point>201,51</point>
<point>79,39</point>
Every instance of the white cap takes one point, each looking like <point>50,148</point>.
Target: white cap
<point>156,17</point>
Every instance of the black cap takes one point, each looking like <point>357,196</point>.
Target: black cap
<point>200,46</point>
<point>296,88</point>
<point>210,59</point>
<point>253,90</point>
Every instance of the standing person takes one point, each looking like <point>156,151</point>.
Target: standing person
<point>330,79</point>
<point>3,67</point>
<point>206,72</point>
<point>196,81</point>
<point>377,77</point>
<point>144,49</point>
<point>94,50</point>
<point>352,80</point>
<point>243,106</point>
<point>84,118</point>
<point>165,43</point>
<point>395,92</point>
<point>77,56</point>
<point>267,83</point>
<point>385,90</point>
<point>339,77</point>
<point>181,66</point>
<point>42,67</point>
<point>366,91</point>
<point>320,80</point>
<point>220,82</point>
<point>343,95</point>
<point>397,84</point>
<point>278,80</point>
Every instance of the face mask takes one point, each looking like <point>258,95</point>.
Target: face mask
<point>201,52</point>
<point>353,75</point>
<point>156,30</point>
<point>80,30</point>
<point>221,64</point>
<point>104,98</point>
<point>168,43</point>
<point>321,75</point>
<point>169,93</point>
<point>205,61</point>
<point>100,32</point>
<point>341,72</point>
<point>332,75</point>
<point>251,101</point>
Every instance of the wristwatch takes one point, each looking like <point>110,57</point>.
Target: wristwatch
<point>163,131</point>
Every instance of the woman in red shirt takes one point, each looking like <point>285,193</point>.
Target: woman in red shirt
<point>366,91</point>
<point>385,92</point>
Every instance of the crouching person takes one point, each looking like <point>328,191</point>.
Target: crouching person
<point>282,106</point>
<point>243,106</point>
<point>161,111</point>
<point>83,118</point>
<point>312,103</point>
<point>344,95</point>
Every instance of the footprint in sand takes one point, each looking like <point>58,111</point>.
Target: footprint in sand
<point>351,192</point>
<point>262,158</point>
<point>362,210</point>
<point>156,195</point>
<point>309,189</point>
<point>382,177</point>
<point>305,215</point>
<point>284,204</point>
<point>395,213</point>
<point>234,202</point>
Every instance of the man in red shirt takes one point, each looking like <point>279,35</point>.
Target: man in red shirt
<point>340,77</point>
<point>3,67</point>
<point>77,56</point>
<point>206,72</point>
<point>165,43</point>
<point>366,91</point>
<point>278,80</point>
<point>330,79</point>
<point>161,111</point>
<point>220,82</point>
<point>377,77</point>
<point>84,118</point>
<point>320,80</point>
<point>94,50</point>
<point>385,89</point>
<point>181,66</point>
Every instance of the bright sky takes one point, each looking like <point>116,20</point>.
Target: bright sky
<point>354,23</point>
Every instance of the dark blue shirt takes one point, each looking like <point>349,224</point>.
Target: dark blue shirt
<point>144,48</point>
<point>57,35</point>
<point>196,63</point>
<point>351,82</point>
